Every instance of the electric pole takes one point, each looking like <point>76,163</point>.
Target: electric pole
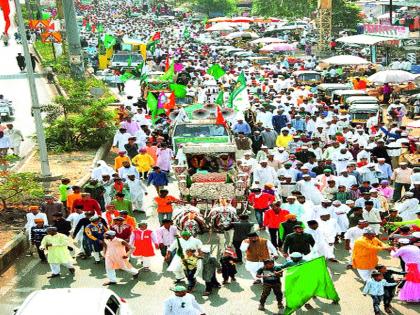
<point>73,40</point>
<point>36,109</point>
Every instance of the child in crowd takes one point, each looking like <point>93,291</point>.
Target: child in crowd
<point>228,263</point>
<point>190,262</point>
<point>210,265</point>
<point>389,292</point>
<point>375,288</point>
<point>270,275</point>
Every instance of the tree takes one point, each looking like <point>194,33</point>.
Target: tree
<point>224,7</point>
<point>17,187</point>
<point>345,15</point>
<point>284,8</point>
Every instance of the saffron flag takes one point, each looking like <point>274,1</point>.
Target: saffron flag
<point>171,102</point>
<point>4,5</point>
<point>220,120</point>
<point>306,280</point>
<point>179,90</point>
<point>216,71</point>
<point>167,64</point>
<point>156,36</point>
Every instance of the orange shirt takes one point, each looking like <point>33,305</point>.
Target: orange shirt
<point>365,253</point>
<point>71,198</point>
<point>162,204</point>
<point>118,161</point>
<point>152,152</point>
<point>131,221</point>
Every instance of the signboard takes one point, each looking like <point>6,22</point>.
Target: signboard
<point>387,30</point>
<point>51,37</point>
<point>39,24</point>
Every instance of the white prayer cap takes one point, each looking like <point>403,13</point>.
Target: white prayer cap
<point>325,200</point>
<point>349,202</point>
<point>404,241</point>
<point>110,233</point>
<point>409,194</point>
<point>205,249</point>
<point>416,234</point>
<point>336,202</point>
<point>324,212</point>
<point>296,255</point>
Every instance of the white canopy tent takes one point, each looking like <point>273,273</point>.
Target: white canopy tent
<point>346,60</point>
<point>392,76</point>
<point>364,39</point>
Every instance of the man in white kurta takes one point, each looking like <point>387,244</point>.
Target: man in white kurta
<point>340,212</point>
<point>308,188</point>
<point>352,234</point>
<point>182,303</point>
<point>264,174</point>
<point>137,191</point>
<point>328,229</point>
<point>186,241</point>
<point>321,247</point>
<point>341,159</point>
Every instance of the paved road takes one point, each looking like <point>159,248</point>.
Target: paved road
<point>145,295</point>
<point>14,86</point>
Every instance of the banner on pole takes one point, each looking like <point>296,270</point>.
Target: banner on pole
<point>51,37</point>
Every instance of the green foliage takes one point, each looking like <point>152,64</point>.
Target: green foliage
<point>284,8</point>
<point>227,7</point>
<point>78,121</point>
<point>88,129</point>
<point>345,15</point>
<point>19,187</point>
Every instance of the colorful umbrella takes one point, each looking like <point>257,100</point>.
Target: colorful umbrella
<point>277,47</point>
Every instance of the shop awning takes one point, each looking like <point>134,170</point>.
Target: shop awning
<point>364,39</point>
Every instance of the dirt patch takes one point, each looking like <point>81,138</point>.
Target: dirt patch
<point>72,165</point>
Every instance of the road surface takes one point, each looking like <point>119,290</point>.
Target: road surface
<point>14,86</point>
<point>146,295</point>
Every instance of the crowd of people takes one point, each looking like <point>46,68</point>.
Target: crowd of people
<point>317,182</point>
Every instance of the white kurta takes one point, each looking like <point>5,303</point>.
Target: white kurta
<point>186,305</point>
<point>321,247</point>
<point>341,216</point>
<point>137,191</point>
<point>176,264</point>
<point>310,191</point>
<point>328,230</point>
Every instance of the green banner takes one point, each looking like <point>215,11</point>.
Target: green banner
<point>220,139</point>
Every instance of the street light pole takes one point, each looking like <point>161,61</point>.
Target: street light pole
<point>36,109</point>
<point>390,12</point>
<point>73,40</point>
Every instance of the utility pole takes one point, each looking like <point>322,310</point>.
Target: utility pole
<point>73,40</point>
<point>390,12</point>
<point>36,109</point>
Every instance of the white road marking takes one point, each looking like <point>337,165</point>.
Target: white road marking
<point>4,289</point>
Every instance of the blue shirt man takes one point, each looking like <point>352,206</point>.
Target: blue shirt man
<point>242,126</point>
<point>385,168</point>
<point>298,123</point>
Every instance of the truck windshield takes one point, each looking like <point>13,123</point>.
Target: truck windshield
<point>199,131</point>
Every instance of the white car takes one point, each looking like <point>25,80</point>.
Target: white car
<point>69,301</point>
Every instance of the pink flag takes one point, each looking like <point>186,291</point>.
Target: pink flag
<point>178,67</point>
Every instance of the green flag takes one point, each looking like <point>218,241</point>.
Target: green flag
<point>186,33</point>
<point>219,99</point>
<point>178,89</point>
<point>45,15</point>
<point>129,61</point>
<point>205,20</point>
<point>151,46</point>
<point>100,28</point>
<point>304,281</point>
<point>239,87</point>
<point>216,71</point>
<point>168,75</point>
<point>126,76</point>
<point>152,103</point>
<point>88,27</point>
<point>109,41</point>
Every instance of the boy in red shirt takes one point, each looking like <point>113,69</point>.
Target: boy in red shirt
<point>261,202</point>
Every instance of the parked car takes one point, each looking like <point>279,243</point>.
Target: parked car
<point>70,301</point>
